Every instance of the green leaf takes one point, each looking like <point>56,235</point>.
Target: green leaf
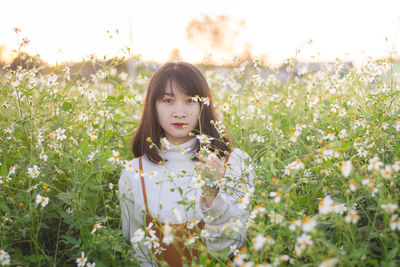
<point>4,170</point>
<point>4,207</point>
<point>182,202</point>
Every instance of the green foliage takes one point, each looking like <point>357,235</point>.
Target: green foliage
<point>68,140</point>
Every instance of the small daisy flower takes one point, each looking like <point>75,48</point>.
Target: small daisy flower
<point>276,196</point>
<point>96,226</point>
<point>352,216</point>
<point>183,151</point>
<point>346,168</point>
<point>42,200</point>
<point>34,172</point>
<point>374,164</point>
<point>152,174</point>
<point>178,214</point>
<point>233,249</point>
<point>4,258</point>
<point>342,133</point>
<point>304,240</point>
<point>138,236</point>
<point>204,233</point>
<point>258,242</point>
<point>239,259</point>
<point>129,166</point>
<point>198,181</point>
<point>353,185</point>
<point>167,232</point>
<point>115,157</point>
<point>204,139</point>
<point>390,207</point>
<point>81,261</point>
<point>165,143</point>
<point>290,103</point>
<point>294,224</point>
<point>244,202</point>
<point>11,170</point>
<point>328,262</point>
<point>69,211</point>
<point>339,208</point>
<point>92,135</point>
<point>386,172</point>
<point>395,222</point>
<point>325,205</point>
<point>396,166</point>
<point>309,224</point>
<point>269,240</point>
<point>139,173</point>
<point>191,239</point>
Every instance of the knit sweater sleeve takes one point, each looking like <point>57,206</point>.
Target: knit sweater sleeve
<point>225,219</point>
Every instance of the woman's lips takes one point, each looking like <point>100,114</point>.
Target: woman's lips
<point>178,125</point>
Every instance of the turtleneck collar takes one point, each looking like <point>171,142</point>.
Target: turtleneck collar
<point>188,145</point>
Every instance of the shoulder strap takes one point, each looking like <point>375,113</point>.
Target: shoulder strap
<point>226,160</point>
<point>227,157</point>
<point>142,182</point>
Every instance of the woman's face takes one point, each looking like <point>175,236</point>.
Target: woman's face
<point>178,115</point>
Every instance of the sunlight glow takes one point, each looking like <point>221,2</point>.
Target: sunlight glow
<point>70,30</point>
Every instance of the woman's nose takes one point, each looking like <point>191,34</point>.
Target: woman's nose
<point>179,114</point>
<point>179,110</point>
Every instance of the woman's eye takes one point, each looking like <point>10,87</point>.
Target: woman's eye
<point>190,100</point>
<point>167,100</point>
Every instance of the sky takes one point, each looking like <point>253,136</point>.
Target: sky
<point>61,31</point>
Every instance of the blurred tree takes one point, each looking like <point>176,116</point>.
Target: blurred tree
<point>217,36</point>
<point>175,55</point>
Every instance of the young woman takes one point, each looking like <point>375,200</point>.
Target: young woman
<point>186,185</point>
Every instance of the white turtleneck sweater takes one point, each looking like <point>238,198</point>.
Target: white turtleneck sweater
<point>224,219</point>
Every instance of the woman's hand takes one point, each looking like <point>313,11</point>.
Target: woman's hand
<point>212,167</point>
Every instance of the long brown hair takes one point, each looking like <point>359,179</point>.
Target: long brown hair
<point>190,81</point>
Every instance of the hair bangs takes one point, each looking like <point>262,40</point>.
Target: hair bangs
<point>186,82</point>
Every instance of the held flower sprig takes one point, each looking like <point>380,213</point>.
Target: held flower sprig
<point>204,100</point>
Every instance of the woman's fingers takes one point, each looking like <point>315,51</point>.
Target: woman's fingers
<point>212,166</point>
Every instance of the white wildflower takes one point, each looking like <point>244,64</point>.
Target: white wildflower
<point>308,224</point>
<point>346,168</point>
<point>390,207</point>
<point>96,226</point>
<point>352,216</point>
<point>34,172</point>
<point>81,261</point>
<point>42,200</point>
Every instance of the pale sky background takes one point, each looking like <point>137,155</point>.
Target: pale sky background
<point>350,30</point>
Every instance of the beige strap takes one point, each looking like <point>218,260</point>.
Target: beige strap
<point>143,184</point>
<point>226,160</point>
<point>227,157</point>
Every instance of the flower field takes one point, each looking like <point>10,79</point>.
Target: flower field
<point>325,149</point>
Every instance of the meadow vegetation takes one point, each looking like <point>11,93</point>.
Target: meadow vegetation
<point>324,144</point>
